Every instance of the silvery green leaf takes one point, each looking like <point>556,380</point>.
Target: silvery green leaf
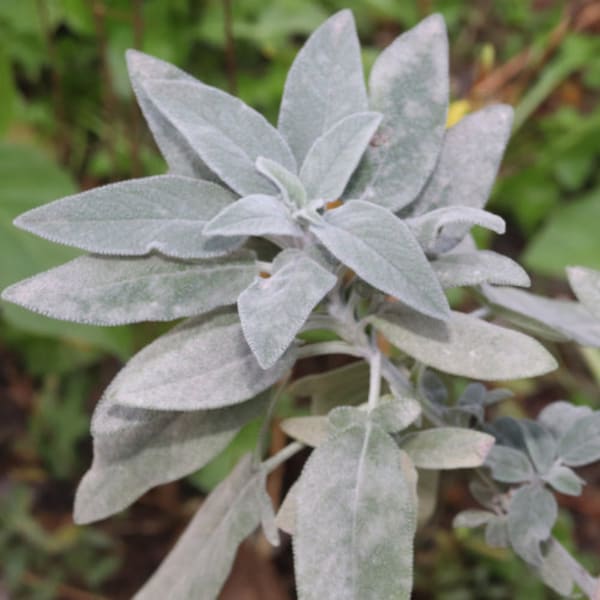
<point>555,570</point>
<point>199,564</point>
<point>564,480</point>
<point>180,156</point>
<point>541,445</point>
<point>203,363</point>
<point>409,86</point>
<point>267,516</point>
<point>430,229</point>
<point>477,393</point>
<point>380,248</point>
<point>257,214</point>
<point>485,495</point>
<point>560,416</point>
<point>447,448</point>
<point>508,432</point>
<point>356,519</point>
<point>342,418</point>
<point>475,268</point>
<point>465,345</point>
<point>164,213</point>
<point>586,285</point>
<point>286,515</point>
<point>433,388</point>
<point>333,157</point>
<point>395,413</point>
<point>554,319</point>
<point>345,385</point>
<point>427,493</point>
<point>288,184</point>
<point>273,310</point>
<point>469,160</point>
<point>509,465</point>
<point>115,291</point>
<point>227,134</point>
<point>531,516</point>
<point>471,518</point>
<point>137,449</point>
<point>312,430</point>
<point>324,84</point>
<point>580,445</point>
<point>496,533</point>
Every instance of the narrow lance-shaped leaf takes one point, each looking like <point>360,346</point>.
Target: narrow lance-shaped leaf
<point>465,345</point>
<point>288,183</point>
<point>202,363</point>
<point>409,86</point>
<point>580,445</point>
<point>325,84</point>
<point>226,133</point>
<point>200,562</point>
<point>115,291</point>
<point>333,157</point>
<point>137,449</point>
<point>164,213</point>
<point>273,310</point>
<point>380,248</point>
<point>586,285</point>
<point>356,519</point>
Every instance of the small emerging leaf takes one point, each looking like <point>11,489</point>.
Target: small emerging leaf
<point>288,184</point>
<point>472,518</point>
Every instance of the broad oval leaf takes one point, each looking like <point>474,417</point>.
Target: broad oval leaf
<point>586,285</point>
<point>540,443</point>
<point>356,519</point>
<point>465,345</point>
<point>447,448</point>
<point>580,445</point>
<point>509,465</point>
<point>226,133</point>
<point>564,480</point>
<point>380,248</point>
<point>164,213</point>
<point>137,449</point>
<point>560,416</point>
<point>203,363</point>
<point>324,84</point>
<point>333,157</point>
<point>273,310</point>
<point>115,291</point>
<point>395,412</point>
<point>409,86</point>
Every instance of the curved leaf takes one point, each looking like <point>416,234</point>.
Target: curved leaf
<point>509,465</point>
<point>586,285</point>
<point>289,185</point>
<point>580,445</point>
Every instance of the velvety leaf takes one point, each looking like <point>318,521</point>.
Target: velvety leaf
<point>226,133</point>
<point>472,518</point>
<point>580,445</point>
<point>114,291</point>
<point>540,443</point>
<point>333,157</point>
<point>409,86</point>
<point>469,160</point>
<point>200,562</point>
<point>273,310</point>
<point>395,413</point>
<point>475,268</point>
<point>324,84</point>
<point>180,156</point>
<point>465,345</point>
<point>203,363</point>
<point>312,431</point>
<point>496,533</point>
<point>564,480</point>
<point>447,448</point>
<point>380,248</point>
<point>137,449</point>
<point>555,570</point>
<point>356,519</point>
<point>476,393</point>
<point>257,214</point>
<point>586,285</point>
<point>428,484</point>
<point>164,213</point>
<point>532,514</point>
<point>286,516</point>
<point>509,465</point>
<point>342,418</point>
<point>560,416</point>
<point>288,184</point>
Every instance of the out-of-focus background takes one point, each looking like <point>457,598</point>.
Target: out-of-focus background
<point>68,121</point>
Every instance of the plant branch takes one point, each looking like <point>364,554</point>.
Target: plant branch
<point>321,348</point>
<point>284,454</point>
<point>374,378</point>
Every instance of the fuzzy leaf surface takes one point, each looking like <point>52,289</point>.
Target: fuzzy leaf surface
<point>288,184</point>
<point>564,480</point>
<point>540,443</point>
<point>380,248</point>
<point>312,430</point>
<point>560,416</point>
<point>586,285</point>
<point>472,518</point>
<point>580,445</point>
<point>324,84</point>
<point>164,213</point>
<point>509,465</point>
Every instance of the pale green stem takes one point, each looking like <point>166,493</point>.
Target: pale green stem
<point>321,348</point>
<point>374,378</point>
<point>284,454</point>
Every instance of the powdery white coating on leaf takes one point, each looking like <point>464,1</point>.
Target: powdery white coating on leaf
<point>475,268</point>
<point>560,416</point>
<point>200,562</point>
<point>202,363</point>
<point>586,285</point>
<point>380,249</point>
<point>286,516</point>
<point>273,310</point>
<point>312,431</point>
<point>394,413</point>
<point>564,480</point>
<point>137,449</point>
<point>409,86</point>
<point>580,445</point>
<point>469,161</point>
<point>115,291</point>
<point>540,443</point>
<point>325,84</point>
<point>556,569</point>
<point>257,214</point>
<point>472,518</point>
<point>164,213</point>
<point>509,465</point>
<point>176,150</point>
<point>465,345</point>
<point>333,157</point>
<point>226,133</point>
<point>356,519</point>
<point>288,183</point>
<point>447,448</point>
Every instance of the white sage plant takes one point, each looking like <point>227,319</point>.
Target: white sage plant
<point>352,217</point>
